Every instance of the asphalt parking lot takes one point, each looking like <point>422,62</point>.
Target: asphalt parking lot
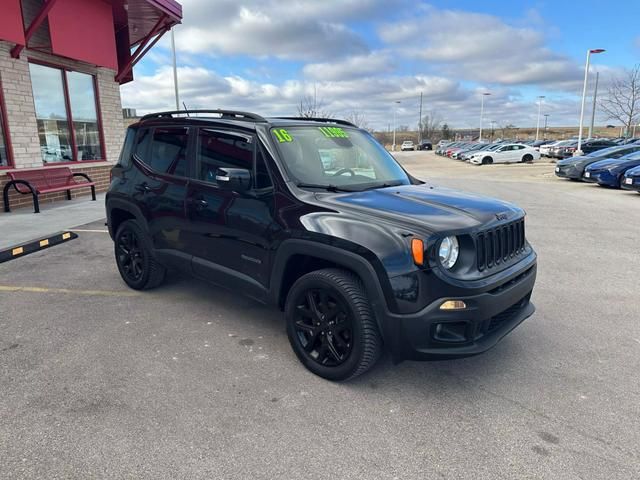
<point>190,381</point>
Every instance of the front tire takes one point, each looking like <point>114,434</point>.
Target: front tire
<point>487,161</point>
<point>330,325</point>
<point>134,257</point>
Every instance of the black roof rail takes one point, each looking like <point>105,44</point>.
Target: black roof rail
<point>326,120</point>
<point>226,114</point>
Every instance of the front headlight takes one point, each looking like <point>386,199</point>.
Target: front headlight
<point>449,251</point>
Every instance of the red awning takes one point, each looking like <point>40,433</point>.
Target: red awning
<point>84,30</point>
<point>11,28</point>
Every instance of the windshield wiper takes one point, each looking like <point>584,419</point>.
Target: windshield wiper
<point>329,188</point>
<point>382,185</point>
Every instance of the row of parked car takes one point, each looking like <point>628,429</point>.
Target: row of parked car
<point>617,166</point>
<point>478,153</point>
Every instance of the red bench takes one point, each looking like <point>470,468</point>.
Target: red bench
<point>45,180</point>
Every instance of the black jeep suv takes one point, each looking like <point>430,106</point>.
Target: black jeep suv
<point>313,215</point>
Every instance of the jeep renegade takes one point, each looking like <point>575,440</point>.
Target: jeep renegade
<point>316,217</point>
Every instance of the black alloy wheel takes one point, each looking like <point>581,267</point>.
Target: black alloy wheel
<point>323,327</point>
<point>129,255</point>
<point>134,258</point>
<point>330,325</point>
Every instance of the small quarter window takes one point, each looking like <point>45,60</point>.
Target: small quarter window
<point>127,148</point>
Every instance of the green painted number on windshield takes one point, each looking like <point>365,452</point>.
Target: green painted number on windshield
<point>333,132</point>
<point>282,135</point>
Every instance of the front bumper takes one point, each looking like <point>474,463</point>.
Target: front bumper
<point>434,334</point>
<point>569,172</point>
<point>635,185</point>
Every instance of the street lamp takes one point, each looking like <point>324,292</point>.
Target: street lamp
<point>546,117</point>
<point>540,98</point>
<point>584,96</point>
<point>395,107</point>
<point>485,94</point>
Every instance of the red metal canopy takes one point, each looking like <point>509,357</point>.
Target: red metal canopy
<point>100,32</point>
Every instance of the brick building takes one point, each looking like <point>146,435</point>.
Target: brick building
<point>61,66</point>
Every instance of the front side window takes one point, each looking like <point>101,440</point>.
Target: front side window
<point>65,101</point>
<point>220,149</point>
<point>336,157</point>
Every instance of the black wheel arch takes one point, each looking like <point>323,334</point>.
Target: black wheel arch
<point>373,278</point>
<point>120,210</point>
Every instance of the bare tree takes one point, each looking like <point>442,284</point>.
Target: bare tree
<point>623,98</point>
<point>430,125</point>
<point>508,130</point>
<point>359,119</point>
<point>311,107</point>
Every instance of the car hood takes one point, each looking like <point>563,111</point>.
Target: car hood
<point>633,172</point>
<point>617,162</point>
<point>429,207</point>
<point>581,161</point>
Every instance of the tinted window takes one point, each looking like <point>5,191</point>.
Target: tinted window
<point>262,174</point>
<point>127,149</point>
<point>168,153</point>
<point>217,149</point>
<point>142,145</point>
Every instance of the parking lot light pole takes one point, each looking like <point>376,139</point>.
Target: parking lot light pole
<point>546,117</point>
<point>540,98</point>
<point>578,151</point>
<point>593,110</point>
<point>395,108</point>
<point>485,94</point>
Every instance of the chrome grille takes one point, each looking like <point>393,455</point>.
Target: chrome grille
<point>500,244</point>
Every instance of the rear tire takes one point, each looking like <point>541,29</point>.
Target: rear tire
<point>527,158</point>
<point>330,325</point>
<point>134,257</point>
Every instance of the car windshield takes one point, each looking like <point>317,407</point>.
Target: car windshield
<point>337,158</point>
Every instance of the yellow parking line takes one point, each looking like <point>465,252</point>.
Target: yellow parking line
<point>68,291</point>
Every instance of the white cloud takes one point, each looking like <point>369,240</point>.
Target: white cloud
<point>482,48</point>
<point>357,66</point>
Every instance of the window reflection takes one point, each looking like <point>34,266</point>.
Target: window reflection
<point>4,150</point>
<point>85,118</point>
<point>53,118</point>
<point>51,114</point>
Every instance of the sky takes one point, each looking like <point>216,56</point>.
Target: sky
<point>364,56</point>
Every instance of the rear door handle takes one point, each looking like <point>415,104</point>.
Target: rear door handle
<point>198,203</point>
<point>143,188</point>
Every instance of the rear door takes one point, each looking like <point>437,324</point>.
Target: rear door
<point>160,185</point>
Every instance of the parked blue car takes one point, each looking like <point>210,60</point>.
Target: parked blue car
<point>631,180</point>
<point>610,172</point>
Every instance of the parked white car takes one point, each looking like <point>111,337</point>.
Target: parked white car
<point>507,153</point>
<point>407,145</point>
<point>546,149</point>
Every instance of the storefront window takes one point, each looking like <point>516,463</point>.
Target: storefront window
<point>54,90</point>
<point>85,117</point>
<point>4,148</point>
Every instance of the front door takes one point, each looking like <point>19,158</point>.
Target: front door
<point>229,231</point>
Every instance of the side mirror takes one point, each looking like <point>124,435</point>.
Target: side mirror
<point>236,179</point>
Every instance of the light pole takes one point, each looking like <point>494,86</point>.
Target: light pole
<point>175,69</point>
<point>395,108</point>
<point>546,117</point>
<point>593,111</point>
<point>485,94</point>
<point>578,151</point>
<point>493,128</point>
<point>540,98</point>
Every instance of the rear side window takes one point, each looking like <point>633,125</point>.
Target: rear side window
<point>127,148</point>
<point>168,152</point>
<point>219,149</point>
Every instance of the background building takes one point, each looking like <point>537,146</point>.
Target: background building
<point>61,66</point>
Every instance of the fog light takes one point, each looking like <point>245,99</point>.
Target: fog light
<point>453,305</point>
